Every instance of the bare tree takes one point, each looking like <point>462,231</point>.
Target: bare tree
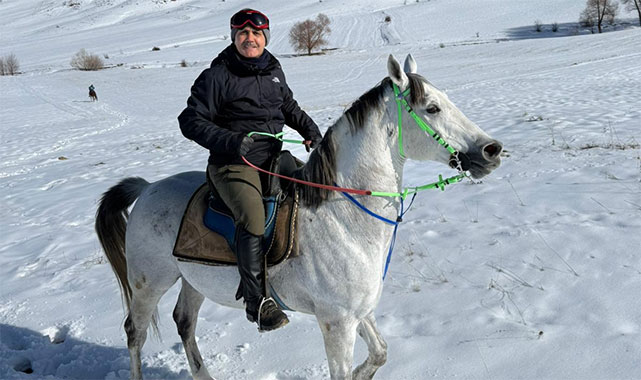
<point>538,26</point>
<point>596,11</point>
<point>631,5</point>
<point>87,61</point>
<point>310,34</point>
<point>9,65</point>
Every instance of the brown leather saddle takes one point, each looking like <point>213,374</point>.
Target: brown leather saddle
<point>196,242</point>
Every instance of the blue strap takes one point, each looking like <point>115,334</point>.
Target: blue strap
<point>395,223</point>
<point>389,254</point>
<point>391,247</point>
<point>368,211</point>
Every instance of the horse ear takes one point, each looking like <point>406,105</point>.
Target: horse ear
<point>396,74</point>
<point>410,64</point>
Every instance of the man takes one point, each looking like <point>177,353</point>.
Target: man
<point>244,90</point>
<point>92,93</point>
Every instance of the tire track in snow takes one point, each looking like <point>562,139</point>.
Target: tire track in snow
<point>356,72</point>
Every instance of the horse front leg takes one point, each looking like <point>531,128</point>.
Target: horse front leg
<point>339,336</point>
<point>375,345</point>
<point>186,316</point>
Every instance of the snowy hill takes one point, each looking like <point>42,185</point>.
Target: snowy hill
<point>534,273</point>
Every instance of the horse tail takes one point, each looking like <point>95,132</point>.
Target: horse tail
<point>111,225</point>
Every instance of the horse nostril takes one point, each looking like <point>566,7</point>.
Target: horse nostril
<point>493,149</point>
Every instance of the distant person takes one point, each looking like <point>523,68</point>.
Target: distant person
<point>244,90</point>
<point>92,93</point>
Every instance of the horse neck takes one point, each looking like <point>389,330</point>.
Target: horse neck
<point>368,159</point>
<point>365,159</point>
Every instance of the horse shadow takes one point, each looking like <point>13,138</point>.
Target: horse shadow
<point>58,355</point>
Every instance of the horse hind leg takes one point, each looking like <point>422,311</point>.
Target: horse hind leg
<point>143,304</point>
<point>186,316</point>
<point>375,345</point>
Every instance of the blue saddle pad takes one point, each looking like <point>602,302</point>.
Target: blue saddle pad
<point>218,219</point>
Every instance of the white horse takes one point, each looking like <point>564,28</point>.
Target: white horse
<point>338,276</point>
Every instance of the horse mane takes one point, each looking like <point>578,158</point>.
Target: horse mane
<point>321,166</point>
<point>373,99</point>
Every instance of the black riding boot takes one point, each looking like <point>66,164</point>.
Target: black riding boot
<point>250,265</point>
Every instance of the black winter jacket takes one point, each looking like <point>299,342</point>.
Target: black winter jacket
<point>232,98</point>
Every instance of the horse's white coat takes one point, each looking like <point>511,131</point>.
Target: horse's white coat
<point>338,275</point>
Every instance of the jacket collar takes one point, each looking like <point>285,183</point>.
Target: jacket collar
<point>242,66</point>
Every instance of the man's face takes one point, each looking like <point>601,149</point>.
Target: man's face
<point>250,42</point>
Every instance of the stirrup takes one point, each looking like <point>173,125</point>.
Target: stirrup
<point>260,309</point>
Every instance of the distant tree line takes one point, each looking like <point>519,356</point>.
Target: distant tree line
<point>633,5</point>
<point>598,12</point>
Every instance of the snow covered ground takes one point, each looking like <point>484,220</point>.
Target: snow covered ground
<point>533,274</point>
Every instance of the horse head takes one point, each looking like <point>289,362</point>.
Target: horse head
<point>429,122</point>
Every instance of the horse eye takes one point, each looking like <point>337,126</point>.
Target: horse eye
<point>433,109</point>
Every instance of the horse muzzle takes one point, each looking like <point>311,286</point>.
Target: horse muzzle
<point>479,163</point>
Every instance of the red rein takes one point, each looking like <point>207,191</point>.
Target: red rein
<point>326,187</point>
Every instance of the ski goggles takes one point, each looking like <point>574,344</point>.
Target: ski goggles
<point>249,16</point>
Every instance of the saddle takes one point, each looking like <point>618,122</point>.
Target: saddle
<point>207,230</point>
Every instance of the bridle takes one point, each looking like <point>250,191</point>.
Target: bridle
<point>458,160</point>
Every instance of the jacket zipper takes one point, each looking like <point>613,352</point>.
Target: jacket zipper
<point>262,101</point>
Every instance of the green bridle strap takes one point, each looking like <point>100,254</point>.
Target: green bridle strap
<point>402,103</point>
<point>399,96</point>
<point>440,184</point>
<point>277,136</point>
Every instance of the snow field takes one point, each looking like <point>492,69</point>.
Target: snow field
<point>533,273</point>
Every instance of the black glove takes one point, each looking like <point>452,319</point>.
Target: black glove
<point>313,142</point>
<point>245,145</point>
